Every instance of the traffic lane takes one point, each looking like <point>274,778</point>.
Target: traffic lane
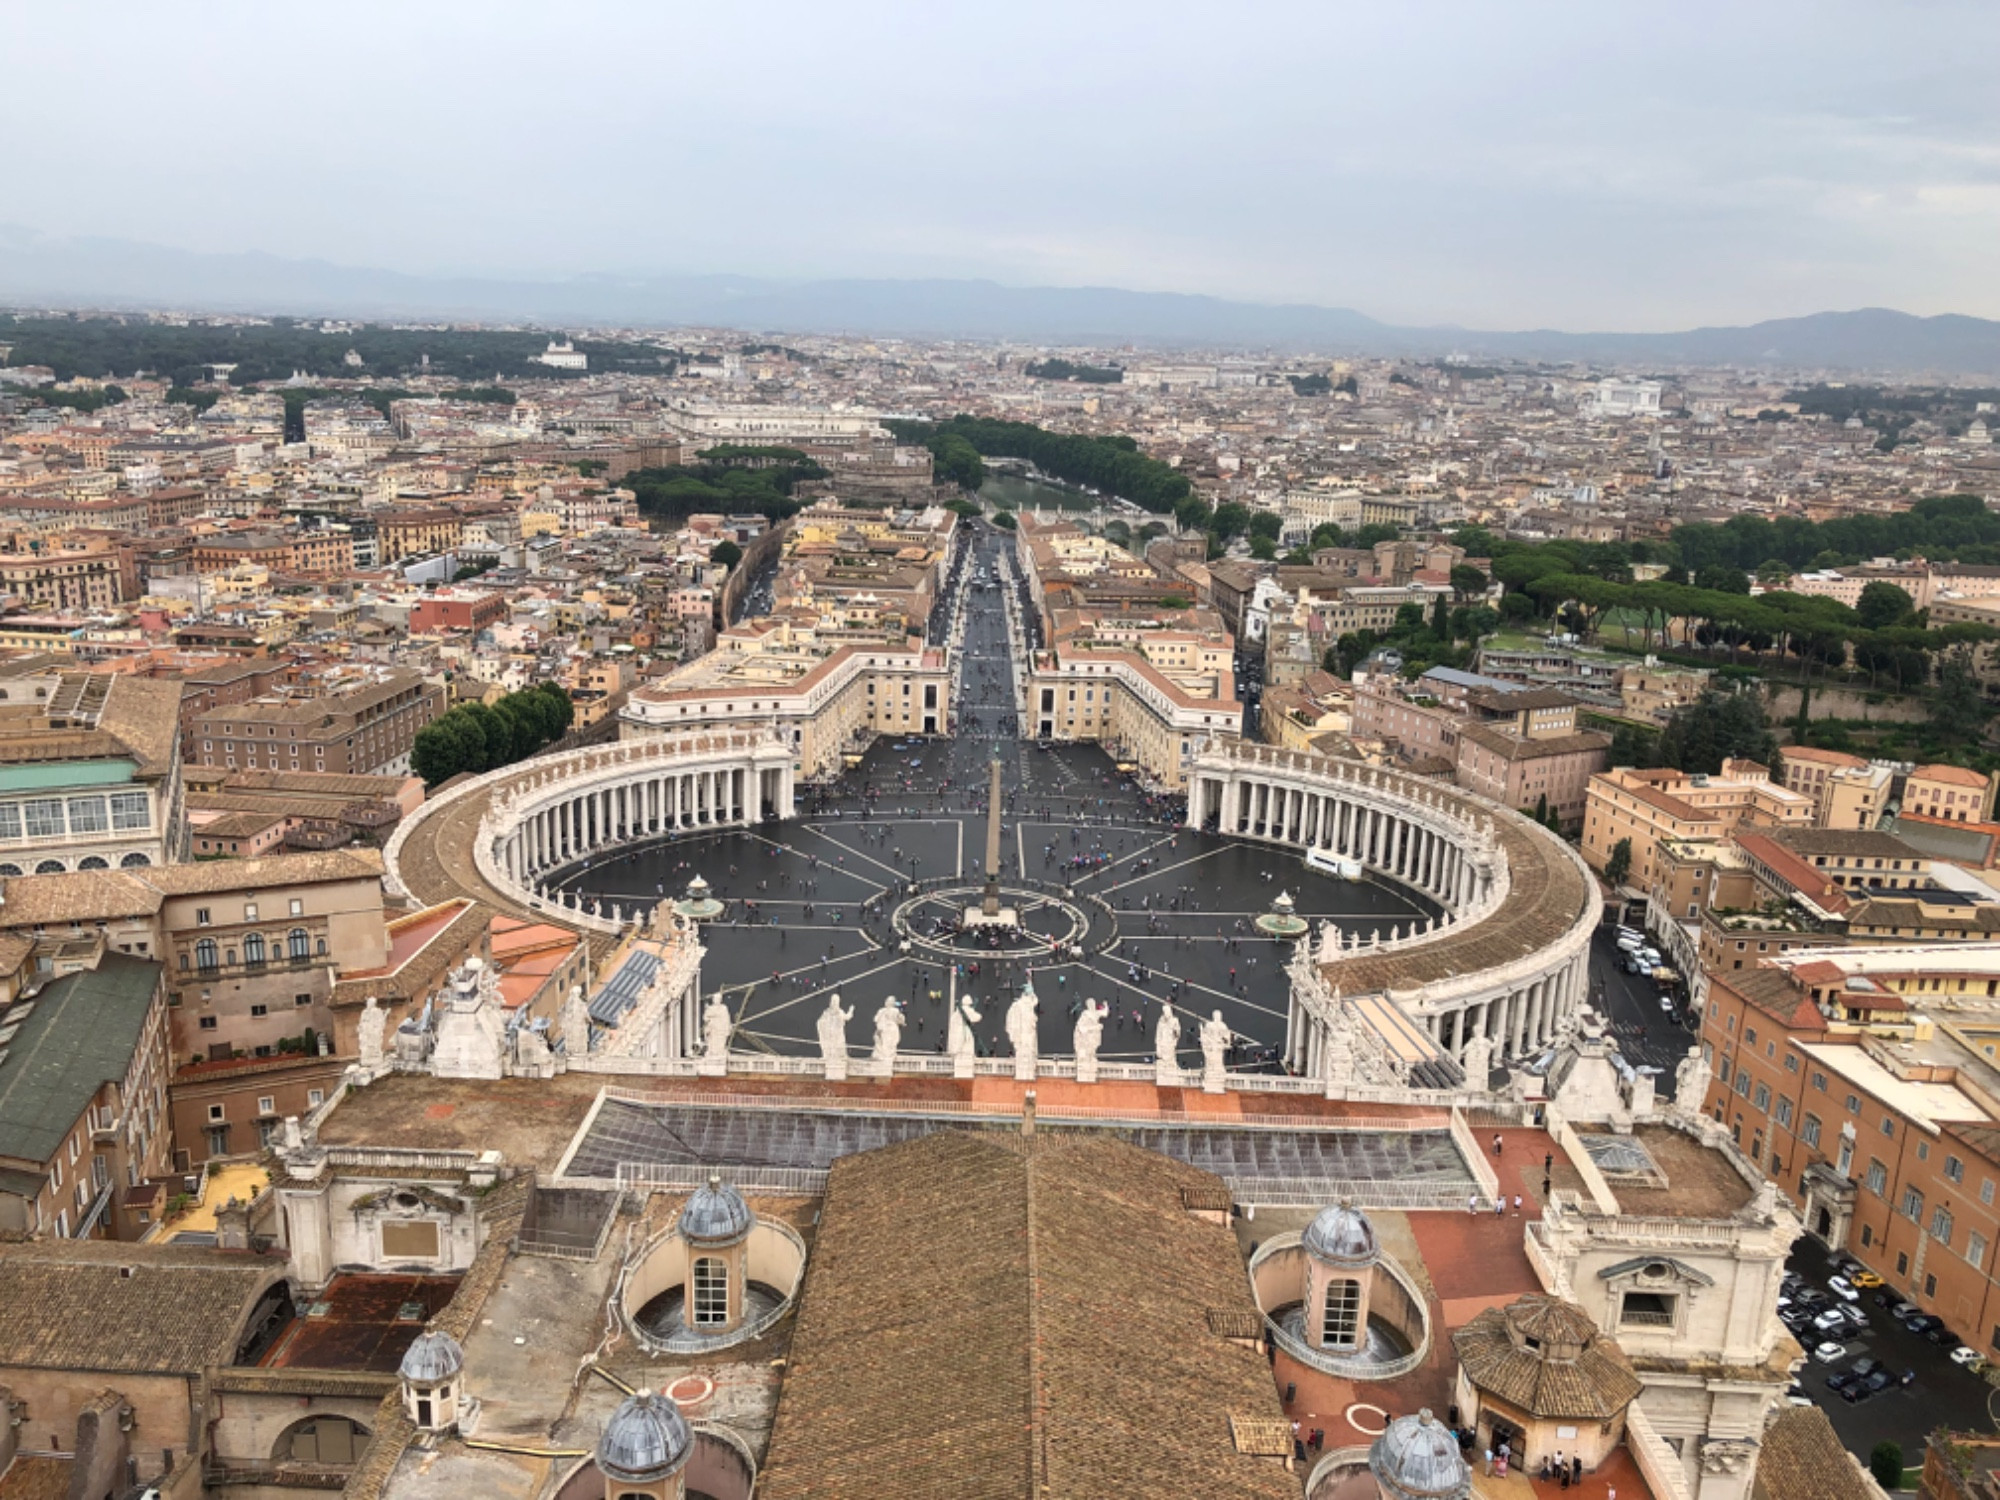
<point>1647,1035</point>
<point>1943,1393</point>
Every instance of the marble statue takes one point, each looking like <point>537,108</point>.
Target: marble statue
<point>575,1023</point>
<point>1167,1047</point>
<point>1691,1083</point>
<point>1478,1062</point>
<point>961,1042</point>
<point>1021,1023</point>
<point>1215,1039</point>
<point>888,1031</point>
<point>295,1139</point>
<point>373,1019</point>
<point>833,1038</point>
<point>1089,1037</point>
<point>715,1029</point>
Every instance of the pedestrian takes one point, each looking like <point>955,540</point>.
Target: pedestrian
<point>1517,1203</point>
<point>1489,1460</point>
<point>1472,1204</point>
<point>1499,1204</point>
<point>1576,1469</point>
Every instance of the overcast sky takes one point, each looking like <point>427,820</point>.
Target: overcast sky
<point>1503,164</point>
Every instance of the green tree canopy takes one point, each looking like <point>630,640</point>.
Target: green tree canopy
<point>1882,604</point>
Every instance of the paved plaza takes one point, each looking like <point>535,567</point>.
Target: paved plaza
<point>860,894</point>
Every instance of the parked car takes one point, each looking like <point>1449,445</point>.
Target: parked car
<point>1867,1280</point>
<point>1965,1354</point>
<point>1880,1381</point>
<point>1842,1288</point>
<point>1840,1380</point>
<point>1855,1391</point>
<point>1865,1367</point>
<point>1921,1322</point>
<point>1853,1317</point>
<point>1667,1004</point>
<point>1830,1353</point>
<point>1895,1305</point>
<point>1830,1321</point>
<point>1797,1396</point>
<point>1946,1340</point>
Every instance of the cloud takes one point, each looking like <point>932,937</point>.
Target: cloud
<point>1498,165</point>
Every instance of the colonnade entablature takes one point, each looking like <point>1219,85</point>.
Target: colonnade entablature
<point>1501,969</point>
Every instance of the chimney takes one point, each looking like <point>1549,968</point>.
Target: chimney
<point>1028,1113</point>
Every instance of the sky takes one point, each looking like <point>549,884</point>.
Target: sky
<point>1505,164</point>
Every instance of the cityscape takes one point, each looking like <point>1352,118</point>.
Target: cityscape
<point>948,859</point>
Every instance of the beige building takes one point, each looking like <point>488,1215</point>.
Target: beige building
<point>365,727</point>
<point>827,701</point>
<point>1847,791</point>
<point>1950,793</point>
<point>1647,806</point>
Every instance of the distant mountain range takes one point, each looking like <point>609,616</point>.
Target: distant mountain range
<point>38,271</point>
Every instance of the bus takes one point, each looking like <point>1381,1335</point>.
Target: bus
<point>1328,863</point>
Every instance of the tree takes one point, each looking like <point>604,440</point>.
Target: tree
<point>1542,809</point>
<point>726,552</point>
<point>1885,1462</point>
<point>1619,865</point>
<point>1721,578</point>
<point>1263,548</point>
<point>1883,604</point>
<point>1717,726</point>
<point>1958,712</point>
<point>1467,580</point>
<point>1004,519</point>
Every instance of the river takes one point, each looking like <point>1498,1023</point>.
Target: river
<point>1017,492</point>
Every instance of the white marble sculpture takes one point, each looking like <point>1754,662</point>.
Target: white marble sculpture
<point>1215,1038</point>
<point>373,1019</point>
<point>888,1032</point>
<point>1021,1022</point>
<point>1089,1037</point>
<point>1478,1063</point>
<point>715,1029</point>
<point>1691,1083</point>
<point>833,1039</point>
<point>1167,1048</point>
<point>575,1024</point>
<point>295,1138</point>
<point>960,1042</point>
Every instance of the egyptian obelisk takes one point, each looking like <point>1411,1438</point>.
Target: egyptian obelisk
<point>989,903</point>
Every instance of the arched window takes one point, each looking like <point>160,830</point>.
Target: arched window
<point>93,862</point>
<point>253,948</point>
<point>134,861</point>
<point>184,963</point>
<point>10,868</point>
<point>204,954</point>
<point>1341,1326</point>
<point>49,867</point>
<point>711,1292</point>
<point>319,947</point>
<point>298,944</point>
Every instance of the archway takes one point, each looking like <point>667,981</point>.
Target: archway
<point>322,1440</point>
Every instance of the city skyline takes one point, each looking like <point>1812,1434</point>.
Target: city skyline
<point>1551,167</point>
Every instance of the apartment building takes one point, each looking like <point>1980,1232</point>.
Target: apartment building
<point>1847,791</point>
<point>84,1067</point>
<point>1950,793</point>
<point>358,726</point>
<point>95,576</point>
<point>1647,806</point>
<point>90,773</point>
<point>1863,1081</point>
<point>1146,716</point>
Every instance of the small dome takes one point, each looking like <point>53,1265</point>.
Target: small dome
<point>433,1357</point>
<point>1342,1236</point>
<point>1417,1458</point>
<point>716,1214</point>
<point>646,1440</point>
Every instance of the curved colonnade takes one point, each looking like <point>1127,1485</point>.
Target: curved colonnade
<point>1501,973</point>
<point>543,815</point>
<point>1504,969</point>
